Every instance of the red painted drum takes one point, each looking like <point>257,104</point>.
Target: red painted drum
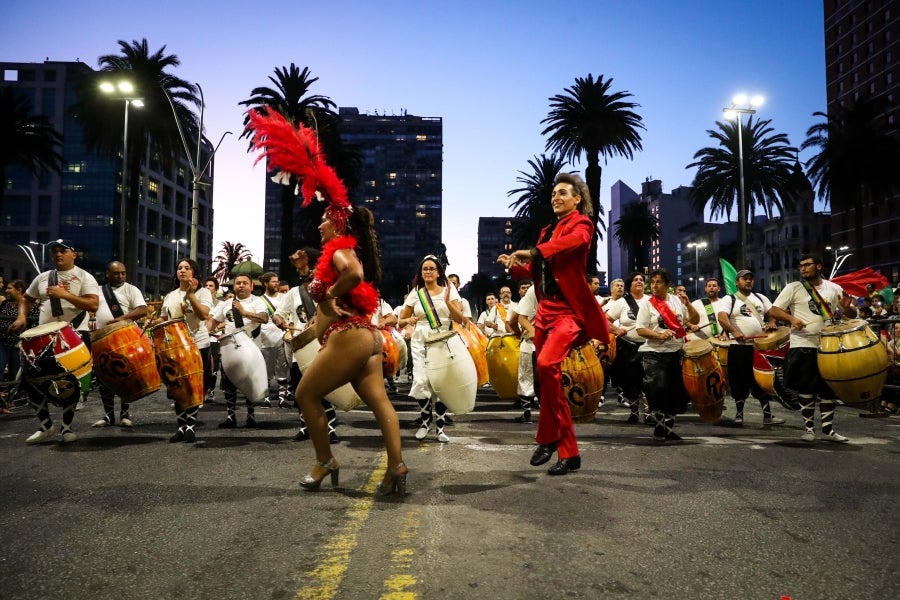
<point>124,360</point>
<point>179,362</point>
<point>583,382</point>
<point>56,362</point>
<point>768,355</point>
<point>703,380</point>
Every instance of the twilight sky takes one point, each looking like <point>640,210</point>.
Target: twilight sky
<point>487,68</point>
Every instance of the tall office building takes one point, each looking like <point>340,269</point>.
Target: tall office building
<point>400,182</point>
<point>862,45</point>
<point>495,237</point>
<point>620,196</point>
<point>83,202</point>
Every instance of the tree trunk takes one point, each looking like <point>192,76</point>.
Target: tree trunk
<point>285,268</point>
<point>592,177</point>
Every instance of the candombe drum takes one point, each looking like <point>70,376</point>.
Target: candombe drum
<point>390,354</point>
<point>344,397</point>
<point>768,355</point>
<point>124,360</point>
<point>451,371</point>
<point>478,335</point>
<point>475,351</point>
<point>56,362</point>
<point>244,365</point>
<point>703,379</point>
<point>583,382</point>
<point>503,364</point>
<point>402,352</point>
<point>853,361</point>
<point>606,351</point>
<point>178,362</point>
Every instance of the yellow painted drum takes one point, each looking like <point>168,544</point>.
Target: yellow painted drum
<point>503,364</point>
<point>583,382</point>
<point>853,361</point>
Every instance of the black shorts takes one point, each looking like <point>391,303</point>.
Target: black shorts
<point>801,374</point>
<point>663,382</point>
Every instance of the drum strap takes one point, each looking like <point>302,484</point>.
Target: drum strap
<point>269,306</point>
<point>55,304</point>
<point>111,301</point>
<point>428,306</point>
<point>632,304</point>
<point>824,309</point>
<point>749,305</point>
<point>711,316</point>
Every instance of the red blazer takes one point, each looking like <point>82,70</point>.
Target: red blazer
<point>567,252</point>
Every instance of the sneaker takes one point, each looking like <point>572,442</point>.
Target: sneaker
<point>633,419</point>
<point>79,405</point>
<point>773,421</point>
<point>251,423</point>
<point>447,419</point>
<point>523,419</point>
<point>422,432</point>
<point>211,397</point>
<point>443,438</point>
<point>102,423</point>
<point>673,437</point>
<point>809,436</point>
<point>178,436</point>
<point>228,424</point>
<point>41,436</point>
<point>739,420</point>
<point>836,437</point>
<point>301,436</point>
<point>624,403</point>
<point>265,403</point>
<point>333,437</point>
<point>189,436</point>
<point>125,422</point>
<point>69,437</point>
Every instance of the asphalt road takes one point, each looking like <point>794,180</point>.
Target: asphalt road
<point>732,512</point>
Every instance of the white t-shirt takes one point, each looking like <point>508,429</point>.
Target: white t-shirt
<point>707,331</point>
<point>270,335</point>
<point>796,300</point>
<point>174,306</point>
<point>128,296</point>
<point>743,317</point>
<point>292,309</point>
<point>649,318</point>
<point>440,308</point>
<point>384,309</point>
<point>527,307</point>
<point>76,281</point>
<point>621,312</point>
<point>224,313</point>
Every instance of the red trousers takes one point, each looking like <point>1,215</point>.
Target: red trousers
<point>556,331</point>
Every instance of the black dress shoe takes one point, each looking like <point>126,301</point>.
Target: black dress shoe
<point>573,463</point>
<point>543,453</point>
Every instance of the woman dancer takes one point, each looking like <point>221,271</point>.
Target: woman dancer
<point>193,302</point>
<point>430,306</point>
<point>344,288</point>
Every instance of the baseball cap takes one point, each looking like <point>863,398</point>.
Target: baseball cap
<point>65,243</point>
<point>744,273</point>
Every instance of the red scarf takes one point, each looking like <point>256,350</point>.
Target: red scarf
<point>665,311</point>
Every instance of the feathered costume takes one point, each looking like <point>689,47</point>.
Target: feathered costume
<point>295,150</point>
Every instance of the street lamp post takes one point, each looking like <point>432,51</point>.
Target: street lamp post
<point>123,90</point>
<point>177,242</point>
<point>44,250</point>
<point>196,171</point>
<point>838,258</point>
<point>697,286</point>
<point>742,105</point>
<point>696,246</point>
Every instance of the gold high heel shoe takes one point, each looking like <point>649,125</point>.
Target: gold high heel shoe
<point>397,484</point>
<point>331,468</point>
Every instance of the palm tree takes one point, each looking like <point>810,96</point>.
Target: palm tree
<point>857,159</point>
<point>768,172</point>
<point>290,97</point>
<point>229,255</point>
<point>636,229</point>
<point>29,141</point>
<point>590,120</point>
<point>533,209</point>
<point>152,128</point>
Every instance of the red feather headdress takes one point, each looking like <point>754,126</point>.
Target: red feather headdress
<point>296,150</point>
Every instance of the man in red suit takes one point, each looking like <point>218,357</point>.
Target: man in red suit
<point>567,315</point>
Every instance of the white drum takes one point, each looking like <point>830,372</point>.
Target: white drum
<point>401,349</point>
<point>451,371</point>
<point>244,365</point>
<point>344,397</point>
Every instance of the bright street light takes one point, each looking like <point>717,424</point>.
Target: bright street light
<point>838,258</point>
<point>696,246</point>
<point>742,105</point>
<point>123,90</point>
<point>177,243</point>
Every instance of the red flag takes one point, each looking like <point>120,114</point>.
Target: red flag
<point>855,283</point>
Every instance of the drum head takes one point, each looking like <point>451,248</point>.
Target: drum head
<point>108,329</point>
<point>439,336</point>
<point>697,348</point>
<point>773,339</point>
<point>844,327</point>
<point>715,341</point>
<point>43,329</point>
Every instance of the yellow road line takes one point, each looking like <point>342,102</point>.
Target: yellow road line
<point>325,579</point>
<point>400,585</point>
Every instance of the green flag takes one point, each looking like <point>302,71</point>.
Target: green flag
<point>729,276</point>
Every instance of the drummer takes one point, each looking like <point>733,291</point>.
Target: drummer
<point>627,371</point>
<point>271,343</point>
<point>243,312</point>
<point>384,318</point>
<point>524,313</point>
<point>663,321</point>
<point>809,305</point>
<point>432,310</point>
<point>66,293</point>
<point>296,313</point>
<point>708,308</point>
<point>466,308</point>
<point>743,315</point>
<point>119,301</point>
